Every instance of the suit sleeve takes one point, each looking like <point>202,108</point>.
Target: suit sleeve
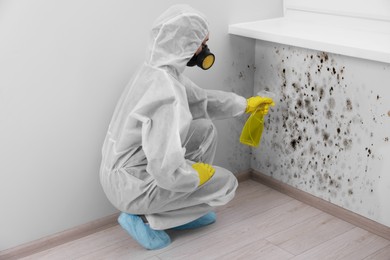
<point>161,120</point>
<point>213,104</point>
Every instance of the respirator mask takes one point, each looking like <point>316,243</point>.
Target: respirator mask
<point>205,59</point>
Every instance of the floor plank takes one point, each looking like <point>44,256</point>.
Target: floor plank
<point>354,245</point>
<point>258,250</point>
<point>253,204</point>
<point>383,254</point>
<point>281,218</point>
<point>316,230</point>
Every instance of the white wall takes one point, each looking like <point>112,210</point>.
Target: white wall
<point>328,134</point>
<point>375,9</point>
<point>63,65</point>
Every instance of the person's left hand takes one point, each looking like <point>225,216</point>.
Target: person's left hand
<point>205,171</point>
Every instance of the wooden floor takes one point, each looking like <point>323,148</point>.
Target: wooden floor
<point>260,223</point>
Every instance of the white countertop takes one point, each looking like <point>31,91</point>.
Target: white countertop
<point>352,36</point>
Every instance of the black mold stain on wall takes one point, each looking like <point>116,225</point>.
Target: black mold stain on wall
<point>316,124</point>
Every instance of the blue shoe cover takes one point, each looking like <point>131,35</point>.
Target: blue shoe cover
<point>142,233</point>
<point>205,220</point>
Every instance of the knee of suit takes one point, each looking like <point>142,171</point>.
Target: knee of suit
<point>224,184</point>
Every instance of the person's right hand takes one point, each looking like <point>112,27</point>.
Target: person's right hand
<point>205,171</point>
<point>263,103</point>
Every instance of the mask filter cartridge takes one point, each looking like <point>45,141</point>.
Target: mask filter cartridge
<point>205,59</point>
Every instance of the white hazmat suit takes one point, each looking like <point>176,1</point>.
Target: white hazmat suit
<point>162,125</point>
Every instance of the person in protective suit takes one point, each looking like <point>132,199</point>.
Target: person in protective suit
<point>157,155</point>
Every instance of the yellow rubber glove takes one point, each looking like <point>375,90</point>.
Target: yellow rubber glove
<point>205,171</point>
<point>254,102</point>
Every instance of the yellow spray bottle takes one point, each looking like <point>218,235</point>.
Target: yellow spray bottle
<point>253,128</point>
